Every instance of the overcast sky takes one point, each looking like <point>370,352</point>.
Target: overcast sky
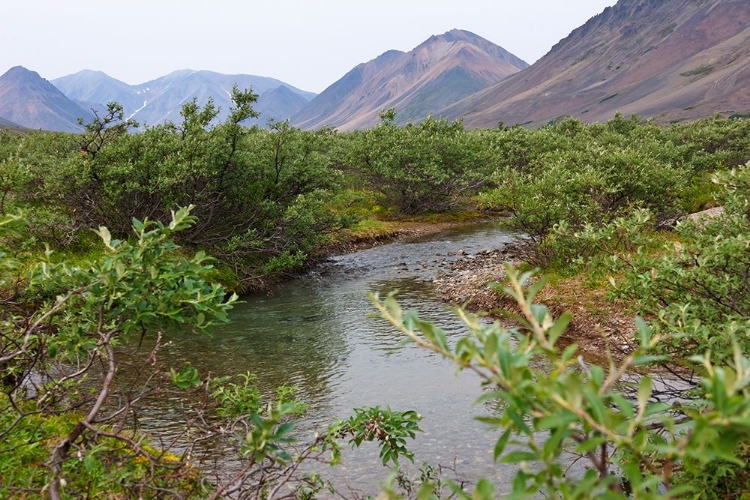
<point>306,43</point>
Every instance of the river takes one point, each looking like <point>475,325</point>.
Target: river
<point>318,333</point>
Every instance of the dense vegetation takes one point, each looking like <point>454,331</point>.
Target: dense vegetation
<point>268,200</point>
<point>590,199</point>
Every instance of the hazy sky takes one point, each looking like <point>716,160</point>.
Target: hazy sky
<point>307,43</point>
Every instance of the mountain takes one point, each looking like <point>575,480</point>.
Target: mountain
<point>280,102</point>
<point>91,88</point>
<point>161,99</point>
<point>31,101</point>
<point>440,71</point>
<point>671,60</point>
<point>7,123</point>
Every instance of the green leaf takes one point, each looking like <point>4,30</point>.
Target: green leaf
<point>556,420</point>
<point>501,444</point>
<point>484,490</point>
<point>559,327</point>
<point>596,405</point>
<point>644,331</point>
<point>106,237</point>
<point>553,445</point>
<point>569,352</point>
<point>534,288</point>
<point>515,457</point>
<point>645,387</point>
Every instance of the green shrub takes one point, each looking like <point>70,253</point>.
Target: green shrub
<point>418,168</point>
<point>636,440</point>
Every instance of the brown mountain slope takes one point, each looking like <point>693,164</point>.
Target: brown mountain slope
<point>665,59</point>
<point>31,101</point>
<point>438,72</point>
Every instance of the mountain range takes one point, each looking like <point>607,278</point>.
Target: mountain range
<point>671,60</point>
<point>161,99</point>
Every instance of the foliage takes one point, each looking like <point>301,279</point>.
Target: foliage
<point>418,168</point>
<point>259,195</point>
<point>70,429</point>
<point>244,398</point>
<point>432,482</point>
<point>686,436</point>
<point>554,403</point>
<point>694,288</point>
<point>104,130</point>
<point>592,174</point>
<point>386,426</point>
<point>108,468</point>
<point>30,162</point>
<point>269,200</point>
<point>64,328</point>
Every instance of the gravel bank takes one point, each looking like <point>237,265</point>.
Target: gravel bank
<point>465,280</point>
<point>598,324</point>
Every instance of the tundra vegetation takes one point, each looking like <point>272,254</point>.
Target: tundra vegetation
<point>669,418</point>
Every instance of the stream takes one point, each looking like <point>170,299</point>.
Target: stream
<point>318,333</point>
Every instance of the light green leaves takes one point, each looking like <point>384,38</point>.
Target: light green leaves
<point>551,402</point>
<point>103,233</point>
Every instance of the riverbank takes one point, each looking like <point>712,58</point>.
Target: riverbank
<point>370,233</point>
<point>598,323</point>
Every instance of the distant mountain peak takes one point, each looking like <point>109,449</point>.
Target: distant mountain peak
<point>439,71</point>
<point>31,101</point>
<point>456,35</point>
<point>18,73</point>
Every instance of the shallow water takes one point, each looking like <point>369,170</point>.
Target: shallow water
<point>318,333</point>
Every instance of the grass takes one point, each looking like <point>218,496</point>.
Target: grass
<point>372,229</point>
<point>442,217</point>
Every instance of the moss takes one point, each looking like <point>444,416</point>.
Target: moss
<point>372,228</point>
<point>105,470</point>
<point>441,217</point>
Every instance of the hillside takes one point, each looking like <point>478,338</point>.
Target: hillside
<point>29,100</point>
<point>161,99</point>
<point>440,71</point>
<point>7,123</point>
<point>669,60</point>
